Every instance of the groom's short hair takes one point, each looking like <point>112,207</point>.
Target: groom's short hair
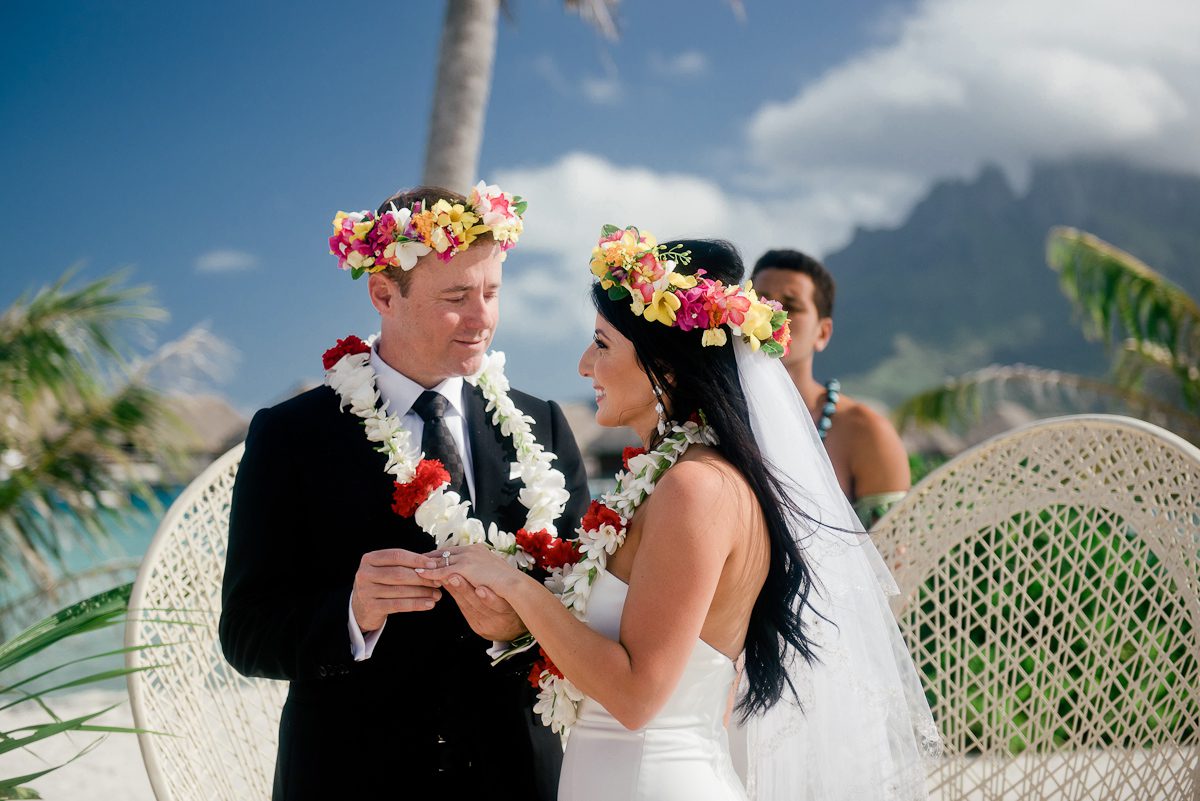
<point>428,195</point>
<point>794,260</point>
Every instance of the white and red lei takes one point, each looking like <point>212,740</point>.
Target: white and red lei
<point>420,484</point>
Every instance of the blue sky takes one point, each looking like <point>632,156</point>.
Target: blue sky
<point>206,146</point>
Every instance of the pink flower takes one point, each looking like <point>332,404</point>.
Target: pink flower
<point>499,203</point>
<point>693,309</point>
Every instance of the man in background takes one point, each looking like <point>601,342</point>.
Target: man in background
<point>865,450</point>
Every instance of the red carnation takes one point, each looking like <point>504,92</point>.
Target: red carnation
<point>350,344</point>
<point>559,553</point>
<point>429,476</point>
<point>629,453</point>
<point>543,663</point>
<point>597,515</point>
<point>533,542</point>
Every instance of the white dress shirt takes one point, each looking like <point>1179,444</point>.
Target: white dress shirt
<point>399,393</point>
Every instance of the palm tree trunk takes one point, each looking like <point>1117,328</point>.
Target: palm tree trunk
<point>464,77</point>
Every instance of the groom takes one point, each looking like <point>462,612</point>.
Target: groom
<point>391,691</point>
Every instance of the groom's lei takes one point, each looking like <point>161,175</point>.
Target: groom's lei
<point>420,484</point>
<point>601,532</point>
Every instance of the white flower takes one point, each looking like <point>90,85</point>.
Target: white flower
<point>471,532</point>
<point>554,582</point>
<point>409,252</point>
<point>363,399</point>
<point>594,549</point>
<point>557,703</point>
<point>442,516</point>
<point>381,427</point>
<point>642,462</point>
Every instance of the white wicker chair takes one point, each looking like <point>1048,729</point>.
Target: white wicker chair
<point>219,730</point>
<point>1050,594</point>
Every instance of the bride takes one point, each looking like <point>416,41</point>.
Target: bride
<point>728,547</point>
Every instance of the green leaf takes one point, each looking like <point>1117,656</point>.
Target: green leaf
<point>608,230</point>
<point>356,272</point>
<point>11,790</point>
<point>44,730</point>
<point>617,292</point>
<point>89,679</point>
<point>520,206</point>
<point>962,400</point>
<point>99,611</point>
<point>771,347</point>
<point>1123,299</point>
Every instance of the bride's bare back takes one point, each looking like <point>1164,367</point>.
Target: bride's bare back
<point>720,514</point>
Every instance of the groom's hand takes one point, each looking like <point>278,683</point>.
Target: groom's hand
<point>489,615</point>
<point>387,582</point>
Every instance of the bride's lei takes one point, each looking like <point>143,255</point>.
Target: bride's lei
<point>420,489</point>
<point>602,531</point>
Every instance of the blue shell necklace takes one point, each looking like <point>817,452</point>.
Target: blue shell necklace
<point>833,391</point>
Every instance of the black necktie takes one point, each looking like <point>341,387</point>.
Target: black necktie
<point>436,441</point>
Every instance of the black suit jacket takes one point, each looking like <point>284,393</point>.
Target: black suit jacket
<point>426,713</point>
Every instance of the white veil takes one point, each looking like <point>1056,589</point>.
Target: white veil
<point>863,729</point>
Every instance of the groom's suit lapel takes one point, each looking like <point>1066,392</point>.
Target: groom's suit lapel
<point>491,458</point>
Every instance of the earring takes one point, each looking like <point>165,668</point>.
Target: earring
<point>658,407</point>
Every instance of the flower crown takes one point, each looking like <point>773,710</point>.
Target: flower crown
<point>365,242</point>
<point>630,263</point>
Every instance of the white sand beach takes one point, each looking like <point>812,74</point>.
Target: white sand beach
<point>112,771</point>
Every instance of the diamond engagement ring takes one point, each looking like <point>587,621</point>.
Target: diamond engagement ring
<point>446,556</point>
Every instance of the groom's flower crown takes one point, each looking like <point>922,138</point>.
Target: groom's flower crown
<point>630,263</point>
<point>365,242</point>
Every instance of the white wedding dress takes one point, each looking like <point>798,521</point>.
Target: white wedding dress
<point>680,755</point>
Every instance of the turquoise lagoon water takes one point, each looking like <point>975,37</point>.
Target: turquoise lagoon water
<point>85,572</point>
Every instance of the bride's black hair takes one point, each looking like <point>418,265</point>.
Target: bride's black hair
<point>695,378</point>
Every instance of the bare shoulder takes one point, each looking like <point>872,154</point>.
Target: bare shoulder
<point>698,474</point>
<point>702,488</point>
<point>878,460</point>
<point>863,423</point>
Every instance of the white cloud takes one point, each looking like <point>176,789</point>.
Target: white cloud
<point>571,198</point>
<point>972,81</point>
<point>601,91</point>
<point>962,83</point>
<point>688,64</point>
<point>225,261</point>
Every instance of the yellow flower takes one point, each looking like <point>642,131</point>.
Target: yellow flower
<point>662,307</point>
<point>361,229</point>
<point>455,216</point>
<point>358,261</point>
<point>682,281</point>
<point>337,221</point>
<point>599,265</point>
<point>438,240</point>
<point>475,230</point>
<point>714,336</point>
<point>638,240</point>
<point>757,325</point>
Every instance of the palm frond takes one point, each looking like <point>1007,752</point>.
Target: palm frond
<point>1122,298</point>
<point>601,14</point>
<point>963,400</point>
<point>57,338</point>
<point>73,439</point>
<point>108,608</point>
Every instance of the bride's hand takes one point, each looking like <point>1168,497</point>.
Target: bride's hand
<point>477,564</point>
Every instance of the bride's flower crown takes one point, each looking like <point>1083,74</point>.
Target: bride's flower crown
<point>630,263</point>
<point>365,242</point>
